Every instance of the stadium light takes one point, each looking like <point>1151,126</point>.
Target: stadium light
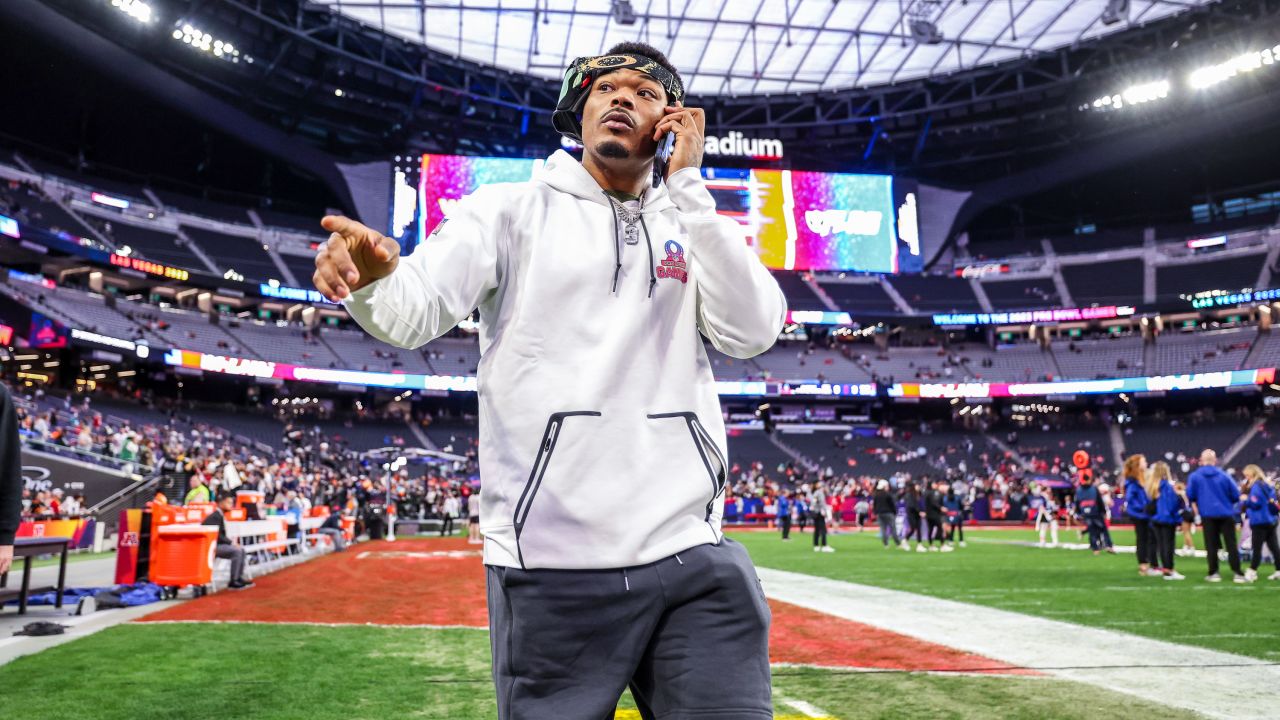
<point>1133,95</point>
<point>1210,75</point>
<point>135,9</point>
<point>205,42</point>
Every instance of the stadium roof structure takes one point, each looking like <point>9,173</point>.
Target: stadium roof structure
<point>752,47</point>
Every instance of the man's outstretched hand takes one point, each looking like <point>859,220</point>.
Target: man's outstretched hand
<point>353,257</point>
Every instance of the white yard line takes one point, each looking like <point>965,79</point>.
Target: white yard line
<point>1210,682</point>
<point>804,708</point>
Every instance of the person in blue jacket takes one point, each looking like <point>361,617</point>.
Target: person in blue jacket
<point>784,515</point>
<point>1135,506</point>
<point>1165,520</point>
<point>1092,512</point>
<point>1215,496</point>
<point>1260,506</point>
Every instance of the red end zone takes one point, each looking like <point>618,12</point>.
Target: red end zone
<point>440,582</point>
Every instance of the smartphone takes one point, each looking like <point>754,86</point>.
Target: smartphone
<point>663,157</point>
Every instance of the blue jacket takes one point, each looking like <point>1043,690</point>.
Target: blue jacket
<point>1260,507</point>
<point>1135,499</point>
<point>1168,505</point>
<point>1213,491</point>
<point>784,506</point>
<point>1089,503</point>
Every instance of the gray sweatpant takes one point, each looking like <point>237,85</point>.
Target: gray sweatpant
<point>688,634</point>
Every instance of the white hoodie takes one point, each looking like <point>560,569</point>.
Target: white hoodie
<point>602,442</point>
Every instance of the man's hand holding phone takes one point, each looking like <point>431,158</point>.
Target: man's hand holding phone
<point>688,124</point>
<point>353,257</point>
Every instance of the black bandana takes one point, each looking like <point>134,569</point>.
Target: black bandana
<point>583,72</point>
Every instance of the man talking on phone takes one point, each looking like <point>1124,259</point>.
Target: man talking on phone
<point>602,443</point>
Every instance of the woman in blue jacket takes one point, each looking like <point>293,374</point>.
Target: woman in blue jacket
<point>1135,506</point>
<point>1165,520</point>
<point>1259,500</point>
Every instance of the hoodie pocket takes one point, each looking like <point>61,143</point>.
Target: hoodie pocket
<point>712,459</point>
<point>550,436</point>
<point>611,490</point>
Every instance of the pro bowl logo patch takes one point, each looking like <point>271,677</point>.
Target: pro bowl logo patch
<point>674,266</point>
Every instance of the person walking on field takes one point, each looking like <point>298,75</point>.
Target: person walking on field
<point>602,439</point>
<point>820,508</point>
<point>1214,495</point>
<point>1260,505</point>
<point>1165,519</point>
<point>1135,506</point>
<point>784,515</point>
<point>886,510</point>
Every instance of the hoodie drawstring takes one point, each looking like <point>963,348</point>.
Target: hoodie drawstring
<point>617,247</point>
<point>678,559</point>
<point>648,243</point>
<point>626,581</point>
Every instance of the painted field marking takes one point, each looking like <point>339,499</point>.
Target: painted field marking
<point>1209,682</point>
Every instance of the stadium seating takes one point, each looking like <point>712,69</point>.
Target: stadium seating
<point>1105,283</point>
<point>231,252</point>
<point>1088,359</point>
<point>1211,351</point>
<point>859,297</point>
<point>936,293</point>
<point>1230,274</point>
<point>1025,294</point>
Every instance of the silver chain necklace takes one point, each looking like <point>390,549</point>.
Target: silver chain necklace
<point>630,232</point>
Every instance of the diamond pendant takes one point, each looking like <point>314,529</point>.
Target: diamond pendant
<point>631,234</point>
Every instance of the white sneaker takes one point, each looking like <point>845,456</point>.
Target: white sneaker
<point>963,544</point>
<point>1274,576</point>
<point>933,548</point>
<point>905,547</point>
<point>817,549</point>
<point>1241,580</point>
<point>921,548</point>
<point>1153,572</point>
<point>828,548</point>
<point>1213,578</point>
<point>1175,575</point>
<point>1250,574</point>
<point>948,548</point>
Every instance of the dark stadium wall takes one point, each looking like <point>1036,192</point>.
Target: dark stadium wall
<point>1157,191</point>
<point>74,91</point>
<point>1141,145</point>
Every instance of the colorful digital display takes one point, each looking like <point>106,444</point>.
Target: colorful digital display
<point>793,220</point>
<point>1035,316</point>
<point>759,388</point>
<point>1110,386</point>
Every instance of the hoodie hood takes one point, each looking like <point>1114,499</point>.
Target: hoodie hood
<point>565,173</point>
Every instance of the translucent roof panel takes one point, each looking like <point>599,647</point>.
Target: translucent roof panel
<point>744,47</point>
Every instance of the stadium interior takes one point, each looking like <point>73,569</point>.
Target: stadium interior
<point>1093,262</point>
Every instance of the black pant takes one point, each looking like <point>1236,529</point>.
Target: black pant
<point>952,528</point>
<point>888,528</point>
<point>446,528</point>
<point>785,521</point>
<point>819,529</point>
<point>1265,535</point>
<point>1163,536</point>
<point>689,634</point>
<point>1146,543</point>
<point>1098,536</point>
<point>913,527</point>
<point>935,528</point>
<point>1224,527</point>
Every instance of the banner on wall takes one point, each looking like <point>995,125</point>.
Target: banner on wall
<point>80,530</point>
<point>43,472</point>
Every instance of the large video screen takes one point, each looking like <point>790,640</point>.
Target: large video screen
<point>793,220</point>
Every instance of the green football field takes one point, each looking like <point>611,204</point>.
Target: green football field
<point>1069,585</point>
<point>207,670</point>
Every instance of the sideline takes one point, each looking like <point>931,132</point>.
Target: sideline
<point>1213,683</point>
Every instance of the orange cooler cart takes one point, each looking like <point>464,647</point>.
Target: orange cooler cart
<point>183,555</point>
